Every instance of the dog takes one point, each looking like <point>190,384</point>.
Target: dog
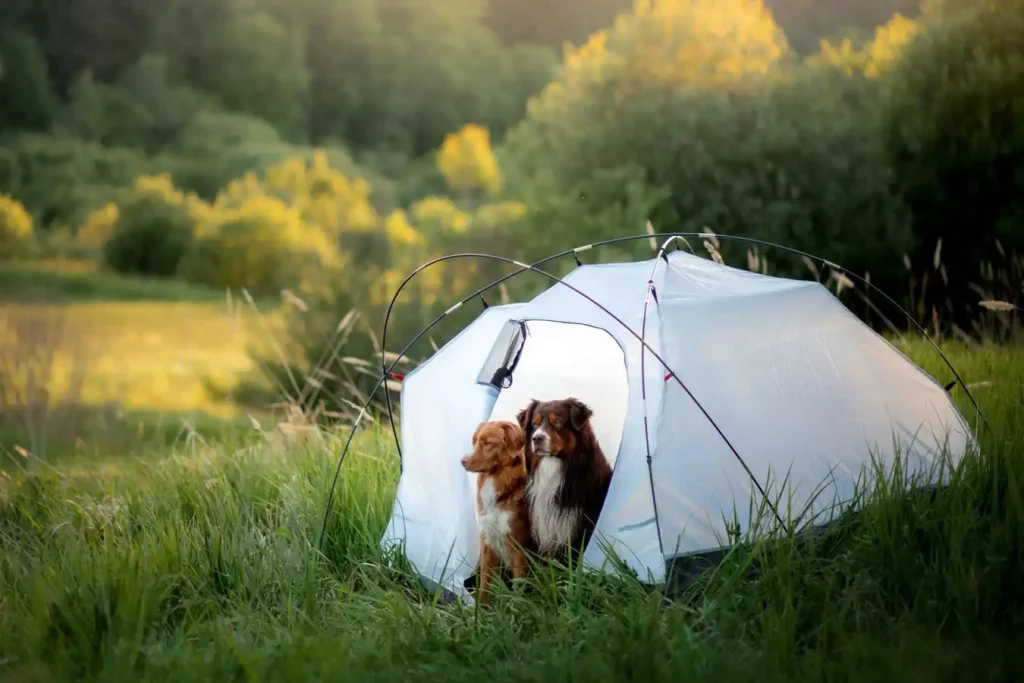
<point>499,459</point>
<point>569,475</point>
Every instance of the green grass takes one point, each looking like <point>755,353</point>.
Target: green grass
<point>66,282</point>
<point>200,564</point>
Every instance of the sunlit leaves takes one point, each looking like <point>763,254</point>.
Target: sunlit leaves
<point>15,227</point>
<point>467,162</point>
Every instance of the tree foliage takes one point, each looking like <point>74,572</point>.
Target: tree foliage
<point>956,137</point>
<point>467,162</point>
<point>154,229</point>
<point>26,99</point>
<point>263,246</point>
<point>15,228</point>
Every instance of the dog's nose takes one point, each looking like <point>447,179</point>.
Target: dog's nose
<point>465,459</point>
<point>538,438</point>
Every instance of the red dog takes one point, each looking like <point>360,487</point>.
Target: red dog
<point>499,459</point>
<point>569,475</point>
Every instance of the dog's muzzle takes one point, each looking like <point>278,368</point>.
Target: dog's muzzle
<point>541,443</point>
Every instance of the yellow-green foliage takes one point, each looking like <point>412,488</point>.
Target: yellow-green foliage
<point>154,228</point>
<point>877,56</point>
<point>323,196</point>
<point>98,226</point>
<point>689,43</point>
<point>263,245</point>
<point>15,228</point>
<point>439,214</point>
<point>467,162</point>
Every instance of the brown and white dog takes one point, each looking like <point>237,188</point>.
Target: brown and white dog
<point>499,459</point>
<point>569,475</point>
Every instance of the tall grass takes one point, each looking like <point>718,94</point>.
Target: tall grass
<point>200,564</point>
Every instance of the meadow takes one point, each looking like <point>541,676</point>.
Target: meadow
<point>199,562</point>
<point>90,357</point>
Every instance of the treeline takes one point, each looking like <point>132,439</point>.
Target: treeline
<point>900,156</point>
<point>391,74</point>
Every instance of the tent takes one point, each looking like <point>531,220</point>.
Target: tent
<point>768,380</point>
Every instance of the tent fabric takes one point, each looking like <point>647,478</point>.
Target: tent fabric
<point>805,393</point>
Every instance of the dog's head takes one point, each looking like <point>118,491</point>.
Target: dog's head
<point>496,445</point>
<point>555,428</point>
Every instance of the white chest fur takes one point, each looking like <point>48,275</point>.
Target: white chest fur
<point>493,521</point>
<point>553,527</point>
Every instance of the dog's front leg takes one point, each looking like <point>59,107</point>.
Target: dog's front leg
<point>520,564</point>
<point>488,564</point>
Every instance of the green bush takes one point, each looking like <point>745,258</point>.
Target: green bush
<point>263,246</point>
<point>15,228</point>
<point>153,231</point>
<point>62,180</point>
<point>956,140</point>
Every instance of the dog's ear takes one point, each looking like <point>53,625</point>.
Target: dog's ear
<point>525,416</point>
<point>579,413</point>
<point>514,436</point>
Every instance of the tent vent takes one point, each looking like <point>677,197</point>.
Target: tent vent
<point>504,356</point>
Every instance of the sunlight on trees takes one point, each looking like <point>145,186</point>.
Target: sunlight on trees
<point>439,213</point>
<point>98,226</point>
<point>888,44</point>
<point>263,245</point>
<point>877,56</point>
<point>467,162</point>
<point>15,228</point>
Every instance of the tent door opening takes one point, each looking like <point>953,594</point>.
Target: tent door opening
<point>549,360</point>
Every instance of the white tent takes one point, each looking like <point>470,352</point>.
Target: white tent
<point>800,388</point>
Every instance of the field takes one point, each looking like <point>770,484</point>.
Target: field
<point>97,355</point>
<point>198,562</point>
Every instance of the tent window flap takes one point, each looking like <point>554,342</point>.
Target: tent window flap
<point>501,361</point>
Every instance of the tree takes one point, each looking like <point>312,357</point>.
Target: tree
<point>467,162</point>
<point>663,119</point>
<point>15,228</point>
<point>26,99</point>
<point>262,245</point>
<point>955,137</point>
<point>256,65</point>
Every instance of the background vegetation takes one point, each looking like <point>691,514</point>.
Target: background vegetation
<point>206,206</point>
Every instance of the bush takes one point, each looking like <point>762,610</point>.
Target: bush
<point>15,228</point>
<point>263,246</point>
<point>62,180</point>
<point>154,229</point>
<point>956,140</point>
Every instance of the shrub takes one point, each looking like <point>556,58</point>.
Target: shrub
<point>154,229</point>
<point>467,162</point>
<point>61,180</point>
<point>98,227</point>
<point>956,141</point>
<point>15,228</point>
<point>263,246</point>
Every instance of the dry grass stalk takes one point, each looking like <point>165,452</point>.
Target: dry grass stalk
<point>993,305</point>
<point>650,231</point>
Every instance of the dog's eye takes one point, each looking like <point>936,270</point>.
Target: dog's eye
<point>536,420</point>
<point>555,421</point>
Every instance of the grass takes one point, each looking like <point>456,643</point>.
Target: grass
<point>200,563</point>
<point>132,356</point>
<point>75,281</point>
